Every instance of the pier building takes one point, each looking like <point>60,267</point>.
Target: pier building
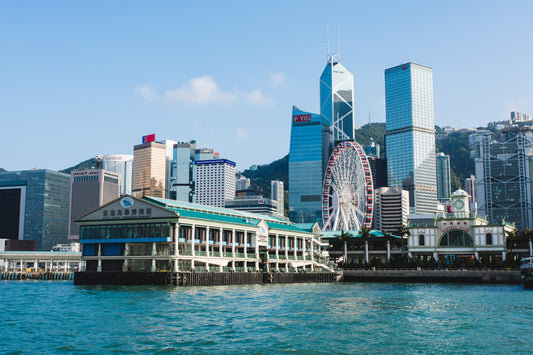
<point>159,235</point>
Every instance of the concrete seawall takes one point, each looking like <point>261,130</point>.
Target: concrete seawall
<point>434,276</point>
<point>198,278</point>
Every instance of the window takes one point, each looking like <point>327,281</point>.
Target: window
<point>488,239</point>
<point>456,238</point>
<point>421,240</point>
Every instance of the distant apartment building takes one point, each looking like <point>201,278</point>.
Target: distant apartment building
<point>121,164</point>
<point>242,183</point>
<point>90,189</point>
<point>391,208</point>
<point>504,175</point>
<point>214,182</point>
<point>149,168</point>
<point>516,117</point>
<point>34,207</point>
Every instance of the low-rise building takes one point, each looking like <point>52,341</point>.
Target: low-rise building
<point>155,234</point>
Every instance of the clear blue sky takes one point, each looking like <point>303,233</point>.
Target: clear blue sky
<point>82,78</point>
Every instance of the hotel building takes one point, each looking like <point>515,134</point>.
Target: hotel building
<point>214,182</point>
<point>149,168</point>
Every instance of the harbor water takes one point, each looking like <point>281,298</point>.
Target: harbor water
<point>56,317</point>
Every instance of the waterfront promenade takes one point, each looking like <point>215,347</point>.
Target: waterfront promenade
<point>498,276</point>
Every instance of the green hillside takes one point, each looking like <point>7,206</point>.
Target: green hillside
<point>92,163</point>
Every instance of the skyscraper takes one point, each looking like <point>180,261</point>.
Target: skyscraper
<point>337,100</point>
<point>504,175</point>
<point>276,193</point>
<point>410,134</point>
<point>121,164</point>
<point>309,153</point>
<point>149,168</point>
<point>90,189</point>
<point>444,188</point>
<point>34,207</point>
<point>214,182</point>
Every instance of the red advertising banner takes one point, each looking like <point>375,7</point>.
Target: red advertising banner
<point>301,118</point>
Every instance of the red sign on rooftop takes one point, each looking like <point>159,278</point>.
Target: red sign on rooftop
<point>301,118</point>
<point>149,138</point>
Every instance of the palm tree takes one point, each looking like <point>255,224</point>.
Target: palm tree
<point>527,235</point>
<point>512,236</point>
<point>365,236</point>
<point>403,231</point>
<point>344,237</point>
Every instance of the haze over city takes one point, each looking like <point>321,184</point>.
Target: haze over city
<point>82,79</point>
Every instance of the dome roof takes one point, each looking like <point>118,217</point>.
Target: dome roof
<point>460,192</point>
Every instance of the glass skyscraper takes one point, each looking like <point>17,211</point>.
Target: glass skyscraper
<point>410,134</point>
<point>337,100</point>
<point>309,153</point>
<point>444,188</point>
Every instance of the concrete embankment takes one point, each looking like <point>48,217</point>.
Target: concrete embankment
<point>435,276</point>
<point>198,278</point>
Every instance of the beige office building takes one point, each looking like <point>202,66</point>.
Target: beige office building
<point>149,174</point>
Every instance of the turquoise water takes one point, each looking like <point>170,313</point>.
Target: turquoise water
<point>60,318</point>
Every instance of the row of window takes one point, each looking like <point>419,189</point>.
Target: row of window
<point>112,231</point>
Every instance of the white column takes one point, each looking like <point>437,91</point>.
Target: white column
<point>193,235</point>
<point>154,252</point>
<point>207,241</point>
<point>36,265</point>
<point>176,246</point>
<point>220,235</point>
<point>503,256</point>
<point>233,236</point>
<point>277,252</point>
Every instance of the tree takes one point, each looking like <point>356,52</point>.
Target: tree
<point>511,238</point>
<point>403,231</point>
<point>344,237</point>
<point>365,236</point>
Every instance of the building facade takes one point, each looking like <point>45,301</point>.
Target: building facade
<point>252,200</point>
<point>504,170</point>
<point>391,208</point>
<point>460,234</point>
<point>90,189</point>
<point>153,234</point>
<point>214,182</point>
<point>444,187</point>
<point>34,206</point>
<point>277,192</point>
<point>121,164</point>
<point>410,134</point>
<point>182,169</point>
<point>308,156</point>
<point>149,169</point>
<point>337,99</point>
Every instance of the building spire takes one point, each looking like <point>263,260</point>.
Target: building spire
<point>334,57</point>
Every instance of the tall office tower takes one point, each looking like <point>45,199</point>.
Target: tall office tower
<point>308,156</point>
<point>169,144</point>
<point>34,208</point>
<point>337,100</point>
<point>182,169</point>
<point>391,208</point>
<point>149,168</point>
<point>121,164</point>
<point>410,134</point>
<point>90,189</point>
<point>378,168</point>
<point>276,193</point>
<point>470,188</point>
<point>504,169</point>
<point>214,182</point>
<point>444,187</point>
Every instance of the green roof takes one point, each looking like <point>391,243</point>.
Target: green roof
<point>226,215</point>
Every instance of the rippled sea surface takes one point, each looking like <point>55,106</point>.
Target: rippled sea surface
<point>60,318</point>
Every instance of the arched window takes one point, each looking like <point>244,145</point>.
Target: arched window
<point>421,240</point>
<point>456,238</point>
<point>488,239</point>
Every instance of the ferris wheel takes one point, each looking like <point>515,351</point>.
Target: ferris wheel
<point>347,195</point>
